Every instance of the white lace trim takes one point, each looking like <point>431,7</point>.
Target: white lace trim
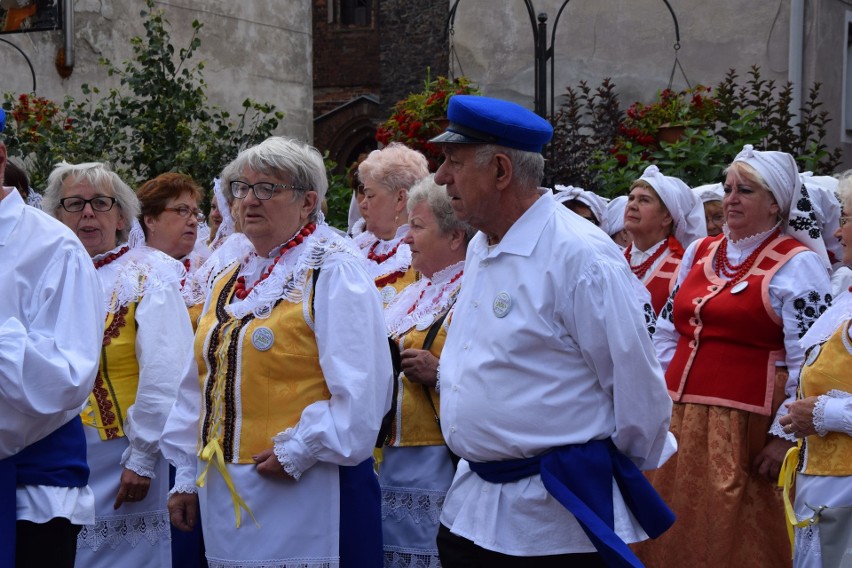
<point>283,457</point>
<point>399,262</point>
<point>637,256</point>
<point>747,244</point>
<point>139,271</point>
<point>139,470</point>
<point>189,488</point>
<point>439,295</point>
<point>290,563</point>
<point>396,557</point>
<point>401,502</point>
<point>806,542</point>
<point>128,530</point>
<point>777,430</point>
<point>288,279</point>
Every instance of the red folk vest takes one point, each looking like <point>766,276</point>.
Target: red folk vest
<point>660,282</point>
<point>728,343</point>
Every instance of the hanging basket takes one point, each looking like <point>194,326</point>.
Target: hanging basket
<point>670,133</point>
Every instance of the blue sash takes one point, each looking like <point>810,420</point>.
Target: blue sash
<point>580,478</point>
<point>58,460</point>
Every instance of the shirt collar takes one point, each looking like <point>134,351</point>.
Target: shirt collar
<point>524,233</point>
<point>11,207</point>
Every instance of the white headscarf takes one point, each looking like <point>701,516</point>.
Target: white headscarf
<point>823,193</point>
<point>615,215</point>
<point>592,200</point>
<point>779,171</point>
<point>686,209</point>
<point>709,192</point>
<point>226,227</point>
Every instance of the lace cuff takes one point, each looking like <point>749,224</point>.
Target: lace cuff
<point>287,449</point>
<point>183,488</point>
<point>819,415</point>
<point>139,462</point>
<point>777,430</point>
<point>438,378</point>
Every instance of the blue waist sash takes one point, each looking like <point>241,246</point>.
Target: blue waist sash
<point>59,460</point>
<point>580,478</point>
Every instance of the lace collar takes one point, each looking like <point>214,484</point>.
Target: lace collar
<point>746,244</point>
<point>420,303</point>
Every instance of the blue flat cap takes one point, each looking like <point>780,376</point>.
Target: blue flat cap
<point>2,120</point>
<point>483,120</point>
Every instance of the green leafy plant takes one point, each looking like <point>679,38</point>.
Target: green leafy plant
<point>338,196</point>
<point>159,118</point>
<point>421,116</point>
<point>716,124</point>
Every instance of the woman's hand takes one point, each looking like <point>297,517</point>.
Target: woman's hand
<point>420,366</point>
<point>269,466</point>
<point>133,488</point>
<point>768,461</point>
<point>183,510</point>
<point>799,420</point>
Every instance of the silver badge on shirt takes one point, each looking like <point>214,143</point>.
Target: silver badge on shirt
<point>262,339</point>
<point>502,304</point>
<point>813,353</point>
<point>388,294</point>
<point>739,287</point>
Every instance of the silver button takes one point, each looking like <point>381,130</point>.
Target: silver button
<point>452,428</point>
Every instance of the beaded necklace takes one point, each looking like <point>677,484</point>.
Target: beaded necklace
<point>380,258</point>
<point>643,268</point>
<point>735,273</point>
<point>438,296</point>
<point>240,289</point>
<point>110,257</point>
<point>390,278</point>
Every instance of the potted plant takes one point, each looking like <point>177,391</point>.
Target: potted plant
<point>667,118</point>
<point>423,115</point>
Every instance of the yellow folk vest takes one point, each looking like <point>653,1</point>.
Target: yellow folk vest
<point>256,375</point>
<point>117,380</point>
<point>414,423</point>
<point>828,370</point>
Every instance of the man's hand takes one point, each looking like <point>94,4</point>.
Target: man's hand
<point>799,420</point>
<point>768,461</point>
<point>269,466</point>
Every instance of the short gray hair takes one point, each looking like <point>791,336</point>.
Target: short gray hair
<point>277,156</point>
<point>101,177</point>
<point>527,167</point>
<point>438,201</point>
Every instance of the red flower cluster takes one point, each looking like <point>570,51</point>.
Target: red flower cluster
<point>422,116</point>
<point>34,114</point>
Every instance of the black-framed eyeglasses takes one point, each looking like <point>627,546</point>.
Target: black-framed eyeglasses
<point>263,190</point>
<point>185,212</point>
<point>101,203</point>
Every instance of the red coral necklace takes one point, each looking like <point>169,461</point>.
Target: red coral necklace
<point>735,273</point>
<point>240,289</point>
<point>110,257</point>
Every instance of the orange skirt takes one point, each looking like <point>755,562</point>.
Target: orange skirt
<point>726,515</point>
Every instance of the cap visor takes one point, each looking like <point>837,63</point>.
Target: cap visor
<point>450,137</point>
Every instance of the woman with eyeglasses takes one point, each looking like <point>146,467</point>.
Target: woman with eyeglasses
<point>279,410</point>
<point>147,337</point>
<point>387,175</point>
<point>169,221</point>
<point>728,340</point>
<point>711,196</point>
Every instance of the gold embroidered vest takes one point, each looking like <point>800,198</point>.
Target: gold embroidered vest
<point>257,375</point>
<point>118,376</point>
<point>828,370</point>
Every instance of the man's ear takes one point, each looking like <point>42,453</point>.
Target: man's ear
<point>503,170</point>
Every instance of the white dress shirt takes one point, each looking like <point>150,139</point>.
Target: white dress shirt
<point>51,327</point>
<point>548,347</point>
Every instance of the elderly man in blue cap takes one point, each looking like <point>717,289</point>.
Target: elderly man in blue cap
<point>550,388</point>
<point>51,330</point>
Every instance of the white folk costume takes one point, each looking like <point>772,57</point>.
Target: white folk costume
<point>388,262</point>
<point>731,349</point>
<point>417,469</point>
<point>824,461</point>
<point>558,360</point>
<point>300,365</point>
<point>51,323</point>
<point>146,340</point>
